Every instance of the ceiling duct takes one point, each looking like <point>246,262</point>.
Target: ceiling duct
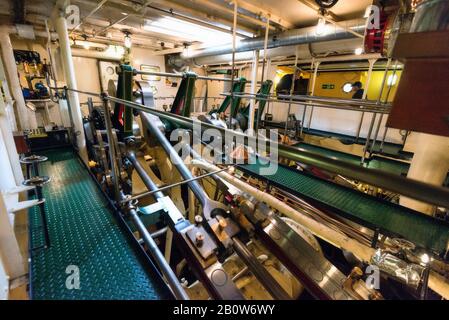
<point>287,38</point>
<point>304,51</point>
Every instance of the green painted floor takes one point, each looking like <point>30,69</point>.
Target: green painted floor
<point>84,233</point>
<point>390,218</point>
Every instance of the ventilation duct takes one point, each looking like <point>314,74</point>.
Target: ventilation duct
<point>287,38</point>
<point>305,52</point>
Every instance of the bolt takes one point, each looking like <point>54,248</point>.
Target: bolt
<point>198,219</point>
<point>222,223</point>
<point>199,238</point>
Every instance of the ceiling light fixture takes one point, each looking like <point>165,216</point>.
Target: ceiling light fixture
<point>321,27</point>
<point>358,51</point>
<point>187,31</point>
<point>127,40</point>
<point>392,80</point>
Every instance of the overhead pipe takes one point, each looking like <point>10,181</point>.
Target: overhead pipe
<point>16,89</point>
<point>287,38</point>
<point>318,48</point>
<point>98,7</point>
<point>69,72</point>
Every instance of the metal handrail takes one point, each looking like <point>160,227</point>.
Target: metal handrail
<point>408,187</point>
<point>358,108</point>
<point>180,75</point>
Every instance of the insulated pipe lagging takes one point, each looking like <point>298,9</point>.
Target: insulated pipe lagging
<point>174,157</point>
<point>287,38</point>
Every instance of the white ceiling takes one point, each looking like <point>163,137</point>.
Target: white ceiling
<point>301,15</point>
<point>218,12</point>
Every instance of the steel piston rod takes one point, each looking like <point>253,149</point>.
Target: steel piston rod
<point>177,184</point>
<point>408,187</point>
<point>172,154</point>
<point>172,280</point>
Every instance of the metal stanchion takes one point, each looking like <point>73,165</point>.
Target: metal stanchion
<point>234,34</point>
<point>368,138</point>
<point>265,48</point>
<point>292,89</point>
<point>386,101</point>
<point>372,62</point>
<point>315,74</point>
<point>111,145</point>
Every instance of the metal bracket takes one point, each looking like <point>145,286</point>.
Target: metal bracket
<point>165,204</point>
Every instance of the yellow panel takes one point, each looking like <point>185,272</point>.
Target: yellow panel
<point>376,83</point>
<point>338,79</point>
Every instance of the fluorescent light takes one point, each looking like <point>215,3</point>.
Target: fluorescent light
<point>425,259</point>
<point>321,27</point>
<point>347,87</point>
<point>358,51</point>
<point>392,80</point>
<point>188,31</point>
<point>127,41</point>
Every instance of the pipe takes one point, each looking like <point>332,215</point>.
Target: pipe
<point>337,239</point>
<point>287,38</point>
<point>436,282</point>
<point>151,186</point>
<point>8,29</point>
<point>234,34</point>
<point>252,105</point>
<point>112,151</point>
<point>7,128</point>
<point>309,102</point>
<point>69,72</point>
<point>174,157</point>
<point>372,62</point>
<point>292,89</point>
<point>157,255</point>
<point>379,100</point>
<point>315,75</point>
<point>95,54</point>
<point>319,48</point>
<point>98,7</point>
<point>180,75</point>
<point>16,89</point>
<point>408,187</point>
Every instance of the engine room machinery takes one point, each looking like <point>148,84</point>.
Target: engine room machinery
<point>226,231</point>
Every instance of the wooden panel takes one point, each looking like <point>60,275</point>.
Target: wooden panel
<point>422,45</point>
<point>422,100</point>
<point>21,144</point>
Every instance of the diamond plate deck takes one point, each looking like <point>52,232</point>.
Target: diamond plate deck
<point>84,233</point>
